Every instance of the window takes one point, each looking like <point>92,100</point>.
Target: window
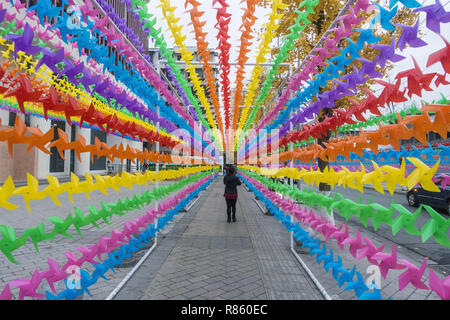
<point>12,119</point>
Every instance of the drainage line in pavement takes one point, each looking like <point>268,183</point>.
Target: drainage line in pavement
<point>132,271</point>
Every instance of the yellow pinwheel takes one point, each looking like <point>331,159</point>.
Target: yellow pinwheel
<point>375,177</point>
<point>423,175</point>
<point>74,187</point>
<point>5,193</point>
<point>101,184</point>
<point>88,185</point>
<point>54,189</point>
<point>127,180</point>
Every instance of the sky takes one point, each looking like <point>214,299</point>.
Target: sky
<point>236,8</point>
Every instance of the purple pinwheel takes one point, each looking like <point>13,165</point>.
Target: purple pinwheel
<point>436,15</point>
<point>409,35</point>
<point>369,67</point>
<point>24,42</point>
<point>2,15</point>
<point>51,59</point>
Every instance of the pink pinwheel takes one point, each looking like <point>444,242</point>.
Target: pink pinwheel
<point>387,261</point>
<point>413,275</point>
<point>53,274</point>
<point>441,287</point>
<point>72,260</point>
<point>445,181</point>
<point>355,243</point>
<point>6,293</point>
<point>327,229</point>
<point>314,223</point>
<point>28,287</point>
<point>102,247</point>
<point>364,5</point>
<point>369,251</point>
<point>309,217</point>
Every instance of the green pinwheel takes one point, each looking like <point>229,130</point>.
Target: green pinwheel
<point>383,215</point>
<point>78,220</point>
<point>36,234</point>
<point>60,226</point>
<point>8,242</point>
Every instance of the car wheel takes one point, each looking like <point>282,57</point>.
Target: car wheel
<point>412,200</point>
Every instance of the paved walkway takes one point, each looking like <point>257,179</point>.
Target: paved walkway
<point>204,257</point>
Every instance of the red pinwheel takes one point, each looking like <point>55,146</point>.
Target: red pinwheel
<point>416,80</point>
<point>440,79</point>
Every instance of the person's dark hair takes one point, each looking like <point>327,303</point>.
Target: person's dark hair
<point>231,170</point>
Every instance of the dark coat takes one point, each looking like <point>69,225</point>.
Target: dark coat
<point>231,182</point>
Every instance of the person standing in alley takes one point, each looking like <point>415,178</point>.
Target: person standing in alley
<point>231,182</point>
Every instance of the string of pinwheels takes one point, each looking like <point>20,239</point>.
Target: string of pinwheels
<point>223,20</point>
<point>341,274</point>
<point>105,245</point>
<point>359,247</point>
<point>417,81</point>
<point>31,192</point>
<point>45,141</point>
<point>164,109</point>
<point>126,250</point>
<point>186,55</point>
<point>167,53</point>
<point>205,57</point>
<point>392,176</point>
<point>139,12</point>
<point>43,74</point>
<point>436,226</point>
<point>326,51</point>
<point>248,20</point>
<point>411,126</point>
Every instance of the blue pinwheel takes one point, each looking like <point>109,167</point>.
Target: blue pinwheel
<point>385,17</point>
<point>346,275</point>
<point>45,9</point>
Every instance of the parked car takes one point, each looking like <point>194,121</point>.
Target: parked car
<point>438,200</point>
